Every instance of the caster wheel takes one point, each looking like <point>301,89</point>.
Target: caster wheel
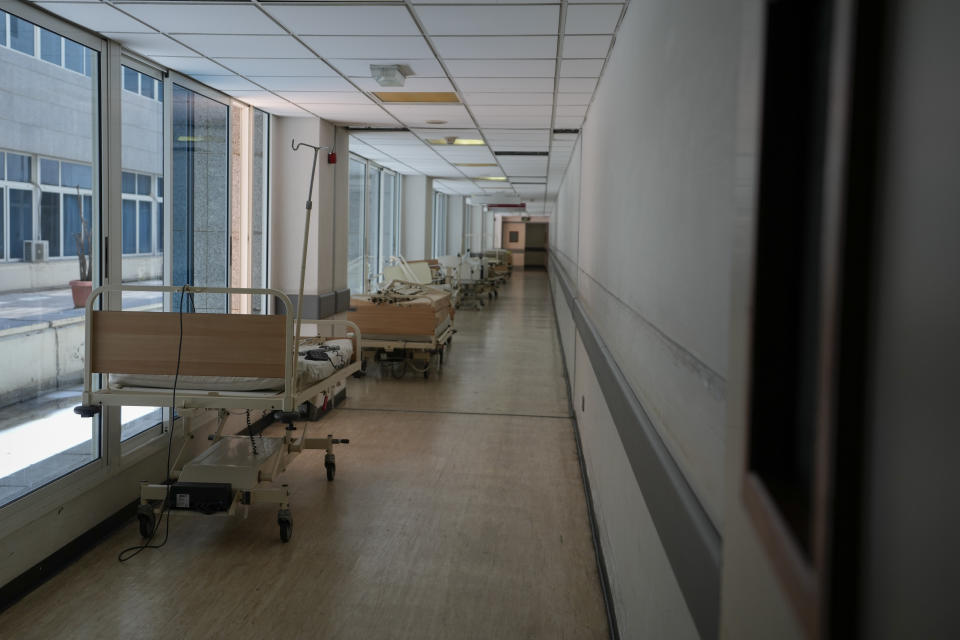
<point>285,520</point>
<point>147,522</point>
<point>331,470</point>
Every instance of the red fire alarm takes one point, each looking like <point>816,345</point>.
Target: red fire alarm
<point>332,158</point>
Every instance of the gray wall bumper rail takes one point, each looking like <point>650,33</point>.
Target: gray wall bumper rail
<point>692,543</point>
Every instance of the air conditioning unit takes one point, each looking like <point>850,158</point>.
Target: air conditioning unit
<point>35,250</point>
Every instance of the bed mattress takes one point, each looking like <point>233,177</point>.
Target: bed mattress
<point>309,372</point>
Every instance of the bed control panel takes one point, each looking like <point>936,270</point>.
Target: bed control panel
<point>205,497</point>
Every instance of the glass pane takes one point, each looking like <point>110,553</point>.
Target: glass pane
<point>145,234</point>
<point>387,218</point>
<point>73,56</point>
<point>72,223</point>
<point>258,240</point>
<point>200,196</point>
<point>146,86</point>
<point>18,167</point>
<point>50,222</point>
<point>373,222</point>
<point>129,226</point>
<point>141,146</point>
<point>3,211</point>
<point>53,114</point>
<point>50,46</point>
<point>3,28</point>
<point>75,175</point>
<point>3,165</point>
<point>21,220</point>
<point>128,182</point>
<point>21,35</point>
<point>49,172</point>
<point>355,228</point>
<point>131,80</point>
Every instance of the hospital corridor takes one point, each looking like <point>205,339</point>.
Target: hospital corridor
<point>458,511</point>
<point>479,319</point>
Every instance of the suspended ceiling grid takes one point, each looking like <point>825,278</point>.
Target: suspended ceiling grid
<point>520,70</point>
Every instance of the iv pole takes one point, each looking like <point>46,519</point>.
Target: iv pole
<point>306,239</point>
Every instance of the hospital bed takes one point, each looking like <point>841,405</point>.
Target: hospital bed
<point>218,362</point>
<point>405,326</point>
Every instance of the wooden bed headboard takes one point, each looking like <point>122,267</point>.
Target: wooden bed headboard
<point>214,344</point>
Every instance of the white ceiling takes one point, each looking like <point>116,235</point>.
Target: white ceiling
<point>521,68</point>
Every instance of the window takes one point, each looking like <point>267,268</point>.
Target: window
<point>141,184</point>
<point>41,439</point>
<point>439,224</point>
<point>514,236</point>
<point>388,217</point>
<point>357,176</point>
<point>259,213</point>
<point>201,181</point>
<point>372,231</point>
<point>21,35</point>
<point>49,47</point>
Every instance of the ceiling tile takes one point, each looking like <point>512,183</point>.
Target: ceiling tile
<point>278,66</point>
<point>353,114</point>
<point>502,68</point>
<point>592,18</point>
<point>345,20</point>
<point>519,122</point>
<point>589,68</point>
<point>505,84</point>
<point>411,85</point>
<point>191,65</point>
<point>329,97</point>
<point>434,132</point>
<point>568,122</point>
<point>226,83</point>
<point>417,115</point>
<point>284,109</point>
<point>509,98</point>
<point>586,46</point>
<point>382,138</point>
<point>207,17</point>
<point>150,44</point>
<point>487,20</point>
<point>302,83</point>
<point>98,17</point>
<point>428,68</point>
<point>529,110</point>
<point>570,110</point>
<point>497,47</point>
<point>574,98</point>
<point>236,46</point>
<point>365,47</point>
<point>577,85</point>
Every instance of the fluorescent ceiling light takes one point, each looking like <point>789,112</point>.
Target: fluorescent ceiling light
<point>494,178</point>
<point>387,75</point>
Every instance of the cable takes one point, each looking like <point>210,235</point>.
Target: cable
<point>130,552</point>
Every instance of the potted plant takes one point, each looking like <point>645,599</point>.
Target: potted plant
<point>81,287</point>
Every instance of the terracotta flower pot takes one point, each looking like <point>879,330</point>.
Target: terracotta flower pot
<point>81,290</point>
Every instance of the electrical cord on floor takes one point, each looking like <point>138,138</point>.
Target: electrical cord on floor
<point>130,552</point>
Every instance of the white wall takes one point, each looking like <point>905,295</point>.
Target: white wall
<point>455,208</point>
<point>289,179</point>
<point>644,228</point>
<point>416,217</point>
